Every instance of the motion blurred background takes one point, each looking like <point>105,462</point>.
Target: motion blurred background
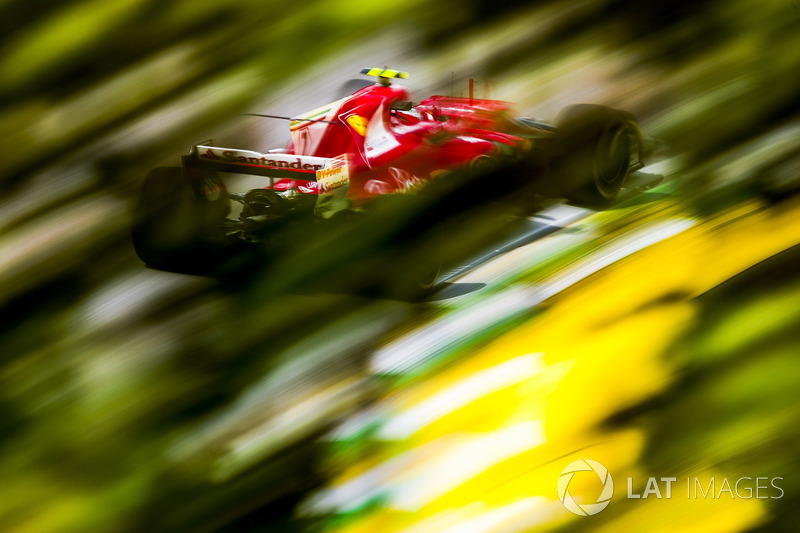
<point>658,338</point>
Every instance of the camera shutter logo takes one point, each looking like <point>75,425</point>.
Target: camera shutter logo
<point>585,465</point>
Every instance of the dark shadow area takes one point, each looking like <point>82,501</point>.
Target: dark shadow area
<point>639,198</point>
<point>452,290</point>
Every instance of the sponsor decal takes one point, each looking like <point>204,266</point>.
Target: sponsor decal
<point>336,174</point>
<point>246,157</point>
<point>358,123</point>
<point>211,155</point>
<point>309,187</point>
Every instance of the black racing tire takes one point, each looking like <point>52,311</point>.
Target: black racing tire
<point>595,147</point>
<point>176,230</point>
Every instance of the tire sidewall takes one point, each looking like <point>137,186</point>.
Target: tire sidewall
<point>588,142</point>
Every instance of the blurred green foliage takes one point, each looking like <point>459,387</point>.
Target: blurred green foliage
<point>122,390</point>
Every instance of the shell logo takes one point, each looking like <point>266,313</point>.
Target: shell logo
<point>358,123</point>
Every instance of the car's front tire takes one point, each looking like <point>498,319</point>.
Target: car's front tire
<point>596,147</point>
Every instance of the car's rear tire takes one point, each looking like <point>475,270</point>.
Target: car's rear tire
<point>596,146</point>
<point>409,265</point>
<point>175,229</point>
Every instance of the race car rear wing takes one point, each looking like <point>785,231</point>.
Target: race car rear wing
<point>271,165</point>
<point>331,174</point>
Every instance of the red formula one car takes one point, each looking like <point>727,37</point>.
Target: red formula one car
<point>370,144</point>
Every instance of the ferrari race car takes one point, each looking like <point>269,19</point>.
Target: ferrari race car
<point>373,144</point>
